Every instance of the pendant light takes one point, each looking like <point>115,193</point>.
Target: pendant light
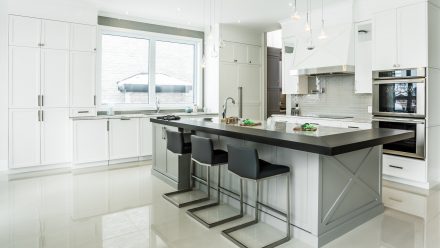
<point>295,16</point>
<point>322,35</point>
<point>308,26</point>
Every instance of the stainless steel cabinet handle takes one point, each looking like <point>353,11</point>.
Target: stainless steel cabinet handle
<point>396,167</point>
<point>42,116</point>
<point>94,100</point>
<point>394,199</point>
<point>42,100</point>
<point>39,100</point>
<point>83,112</point>
<point>108,125</point>
<point>125,119</point>
<point>39,116</point>
<point>352,127</point>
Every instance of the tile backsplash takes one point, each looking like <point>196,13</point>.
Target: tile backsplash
<point>339,99</point>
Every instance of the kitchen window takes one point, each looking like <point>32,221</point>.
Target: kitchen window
<point>140,69</point>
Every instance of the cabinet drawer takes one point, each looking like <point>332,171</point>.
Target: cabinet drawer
<point>79,112</point>
<point>406,202</point>
<point>406,168</point>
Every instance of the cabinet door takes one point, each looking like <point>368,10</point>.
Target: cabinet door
<point>363,73</point>
<point>254,55</point>
<point>228,87</point>
<point>146,137</point>
<point>55,78</point>
<point>385,40</point>
<point>159,149</point>
<point>227,52</point>
<point>82,79</point>
<point>24,31</point>
<point>24,77</point>
<point>412,36</point>
<point>90,141</point>
<point>83,38</point>
<point>56,136</point>
<point>249,78</point>
<point>24,138</point>
<point>240,53</point>
<point>124,138</point>
<point>55,35</point>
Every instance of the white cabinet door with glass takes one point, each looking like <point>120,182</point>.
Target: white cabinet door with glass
<point>123,138</point>
<point>90,141</point>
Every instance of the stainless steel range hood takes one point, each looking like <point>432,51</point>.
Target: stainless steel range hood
<point>322,71</point>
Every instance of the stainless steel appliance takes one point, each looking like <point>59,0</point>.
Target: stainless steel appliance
<point>400,93</point>
<point>414,147</point>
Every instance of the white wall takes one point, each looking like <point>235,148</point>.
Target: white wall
<point>211,86</point>
<point>3,84</point>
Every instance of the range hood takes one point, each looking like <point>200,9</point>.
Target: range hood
<point>328,70</point>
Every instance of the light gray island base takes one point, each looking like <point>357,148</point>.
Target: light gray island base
<point>331,195</point>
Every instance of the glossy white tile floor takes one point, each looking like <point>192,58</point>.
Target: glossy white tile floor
<point>124,208</point>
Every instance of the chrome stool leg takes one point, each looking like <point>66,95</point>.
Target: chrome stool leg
<point>168,196</point>
<point>192,212</point>
<point>227,233</point>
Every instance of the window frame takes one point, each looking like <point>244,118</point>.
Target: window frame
<point>152,37</point>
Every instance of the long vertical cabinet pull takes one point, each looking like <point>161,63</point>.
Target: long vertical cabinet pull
<point>42,100</point>
<point>240,102</point>
<point>39,116</point>
<point>108,125</point>
<point>39,100</point>
<point>94,100</point>
<point>42,115</point>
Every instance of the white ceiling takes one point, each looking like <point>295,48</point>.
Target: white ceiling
<point>258,14</point>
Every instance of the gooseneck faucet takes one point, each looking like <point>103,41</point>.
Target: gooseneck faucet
<point>157,105</point>
<point>225,106</point>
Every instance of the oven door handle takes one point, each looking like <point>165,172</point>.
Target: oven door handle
<point>401,81</point>
<point>399,120</point>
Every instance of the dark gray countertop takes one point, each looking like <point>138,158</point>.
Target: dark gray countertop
<point>331,141</point>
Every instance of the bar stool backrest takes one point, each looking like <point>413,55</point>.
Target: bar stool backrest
<point>243,161</point>
<point>175,142</point>
<point>202,149</point>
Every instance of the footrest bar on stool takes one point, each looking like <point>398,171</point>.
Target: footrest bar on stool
<point>191,212</point>
<point>167,196</point>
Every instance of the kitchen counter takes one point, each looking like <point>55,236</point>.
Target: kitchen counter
<point>336,172</point>
<point>152,115</point>
<point>326,141</point>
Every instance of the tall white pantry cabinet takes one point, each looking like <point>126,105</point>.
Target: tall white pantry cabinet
<point>51,76</point>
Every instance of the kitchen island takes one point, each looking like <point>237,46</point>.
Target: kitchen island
<point>336,172</point>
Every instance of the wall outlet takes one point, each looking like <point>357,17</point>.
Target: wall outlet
<point>370,109</point>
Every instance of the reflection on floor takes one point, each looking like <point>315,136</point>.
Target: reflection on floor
<point>124,208</point>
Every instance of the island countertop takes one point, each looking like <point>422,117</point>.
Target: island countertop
<point>328,141</point>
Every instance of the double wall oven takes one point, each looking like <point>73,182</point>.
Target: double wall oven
<point>399,103</point>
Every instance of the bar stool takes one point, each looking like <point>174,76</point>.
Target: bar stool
<point>203,153</point>
<point>176,144</point>
<point>244,162</point>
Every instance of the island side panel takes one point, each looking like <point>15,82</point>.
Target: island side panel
<point>350,191</point>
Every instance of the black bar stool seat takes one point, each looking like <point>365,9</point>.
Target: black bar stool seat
<point>177,143</point>
<point>204,154</point>
<point>245,163</point>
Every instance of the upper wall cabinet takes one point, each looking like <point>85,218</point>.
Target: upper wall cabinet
<point>234,52</point>
<point>363,42</point>
<point>401,38</point>
<point>83,38</point>
<point>82,80</point>
<point>24,31</point>
<point>55,35</point>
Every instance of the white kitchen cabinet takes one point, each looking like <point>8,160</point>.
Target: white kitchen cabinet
<point>55,35</point>
<point>234,52</point>
<point>90,139</point>
<point>363,69</point>
<point>24,31</point>
<point>385,40</point>
<point>228,87</point>
<point>412,36</point>
<point>249,79</point>
<point>160,148</point>
<point>83,38</point>
<point>123,138</point>
<point>24,77</point>
<point>56,141</point>
<point>82,80</point>
<point>291,84</point>
<point>254,55</point>
<point>55,78</point>
<point>146,137</point>
<point>400,38</point>
<point>24,138</point>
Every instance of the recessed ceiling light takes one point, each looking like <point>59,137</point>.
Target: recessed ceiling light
<point>239,21</point>
<point>179,9</point>
<point>126,12</point>
<point>290,4</point>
